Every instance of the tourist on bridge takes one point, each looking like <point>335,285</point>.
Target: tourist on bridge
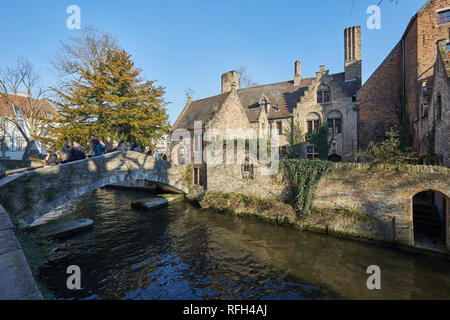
<point>77,152</point>
<point>108,145</point>
<point>135,147</point>
<point>92,144</point>
<point>66,152</point>
<point>156,154</point>
<point>99,149</point>
<point>50,159</point>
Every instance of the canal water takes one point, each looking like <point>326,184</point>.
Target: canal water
<point>183,252</point>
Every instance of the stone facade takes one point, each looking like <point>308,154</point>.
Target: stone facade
<point>383,194</point>
<point>341,106</point>
<point>399,81</point>
<point>272,108</point>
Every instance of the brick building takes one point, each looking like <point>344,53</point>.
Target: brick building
<point>325,98</point>
<point>399,92</point>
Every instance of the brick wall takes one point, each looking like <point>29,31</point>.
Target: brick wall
<point>379,98</point>
<point>380,94</point>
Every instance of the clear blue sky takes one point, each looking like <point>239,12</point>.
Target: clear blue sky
<point>191,43</point>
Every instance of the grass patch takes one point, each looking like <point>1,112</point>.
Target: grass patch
<point>267,209</point>
<point>37,250</point>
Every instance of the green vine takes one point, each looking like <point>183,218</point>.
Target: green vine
<point>304,176</point>
<point>187,176</point>
<point>320,139</point>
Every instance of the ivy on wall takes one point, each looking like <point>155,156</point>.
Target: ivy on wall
<point>304,176</point>
<point>320,139</point>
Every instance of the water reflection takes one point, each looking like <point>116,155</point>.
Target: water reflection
<point>186,253</point>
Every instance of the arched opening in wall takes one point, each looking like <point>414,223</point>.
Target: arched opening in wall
<point>178,154</point>
<point>430,219</point>
<point>335,158</point>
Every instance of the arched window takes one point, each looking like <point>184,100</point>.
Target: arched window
<point>335,122</point>
<point>313,122</point>
<point>323,94</point>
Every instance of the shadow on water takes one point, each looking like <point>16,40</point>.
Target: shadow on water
<point>182,252</point>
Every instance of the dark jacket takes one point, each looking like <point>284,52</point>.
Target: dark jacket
<point>92,144</point>
<point>108,147</point>
<point>51,161</point>
<point>66,153</point>
<point>99,150</point>
<point>78,153</point>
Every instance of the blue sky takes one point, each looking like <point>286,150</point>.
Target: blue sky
<point>191,43</point>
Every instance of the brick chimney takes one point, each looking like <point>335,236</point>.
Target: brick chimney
<point>353,62</point>
<point>297,74</point>
<point>230,79</point>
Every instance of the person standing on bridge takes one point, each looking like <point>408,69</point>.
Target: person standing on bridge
<point>108,145</point>
<point>78,152</point>
<point>92,144</point>
<point>66,152</point>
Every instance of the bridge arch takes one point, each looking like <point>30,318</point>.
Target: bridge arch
<point>36,193</point>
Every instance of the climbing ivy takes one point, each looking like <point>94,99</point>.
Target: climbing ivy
<point>320,139</point>
<point>304,176</point>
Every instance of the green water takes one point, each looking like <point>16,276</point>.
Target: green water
<point>183,252</point>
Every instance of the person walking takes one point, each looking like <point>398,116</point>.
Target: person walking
<point>66,152</point>
<point>77,152</point>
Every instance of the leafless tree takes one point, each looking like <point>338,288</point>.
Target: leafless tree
<point>245,81</point>
<point>26,111</point>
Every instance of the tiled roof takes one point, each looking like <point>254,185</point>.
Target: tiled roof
<point>200,110</point>
<point>445,55</point>
<point>23,103</point>
<point>283,97</point>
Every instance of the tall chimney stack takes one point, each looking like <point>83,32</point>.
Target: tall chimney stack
<point>353,62</point>
<point>297,74</point>
<point>229,80</point>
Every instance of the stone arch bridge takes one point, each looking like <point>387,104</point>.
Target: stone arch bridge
<point>38,192</point>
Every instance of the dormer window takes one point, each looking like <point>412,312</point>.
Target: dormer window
<point>323,94</point>
<point>444,17</point>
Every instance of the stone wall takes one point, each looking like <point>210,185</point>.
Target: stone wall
<point>384,194</point>
<point>38,192</point>
<point>346,142</point>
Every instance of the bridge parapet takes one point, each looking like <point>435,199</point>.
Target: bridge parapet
<point>38,192</point>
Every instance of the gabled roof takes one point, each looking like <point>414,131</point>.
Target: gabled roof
<point>200,110</point>
<point>283,98</point>
<point>23,103</point>
<point>445,56</point>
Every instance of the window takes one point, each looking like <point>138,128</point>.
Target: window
<point>323,96</point>
<point>312,152</point>
<point>280,127</point>
<point>19,115</point>
<point>198,172</point>
<point>284,151</point>
<point>247,169</point>
<point>335,122</point>
<point>198,143</point>
<point>313,122</point>
<point>444,17</point>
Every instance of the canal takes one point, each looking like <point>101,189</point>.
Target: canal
<point>183,252</point>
